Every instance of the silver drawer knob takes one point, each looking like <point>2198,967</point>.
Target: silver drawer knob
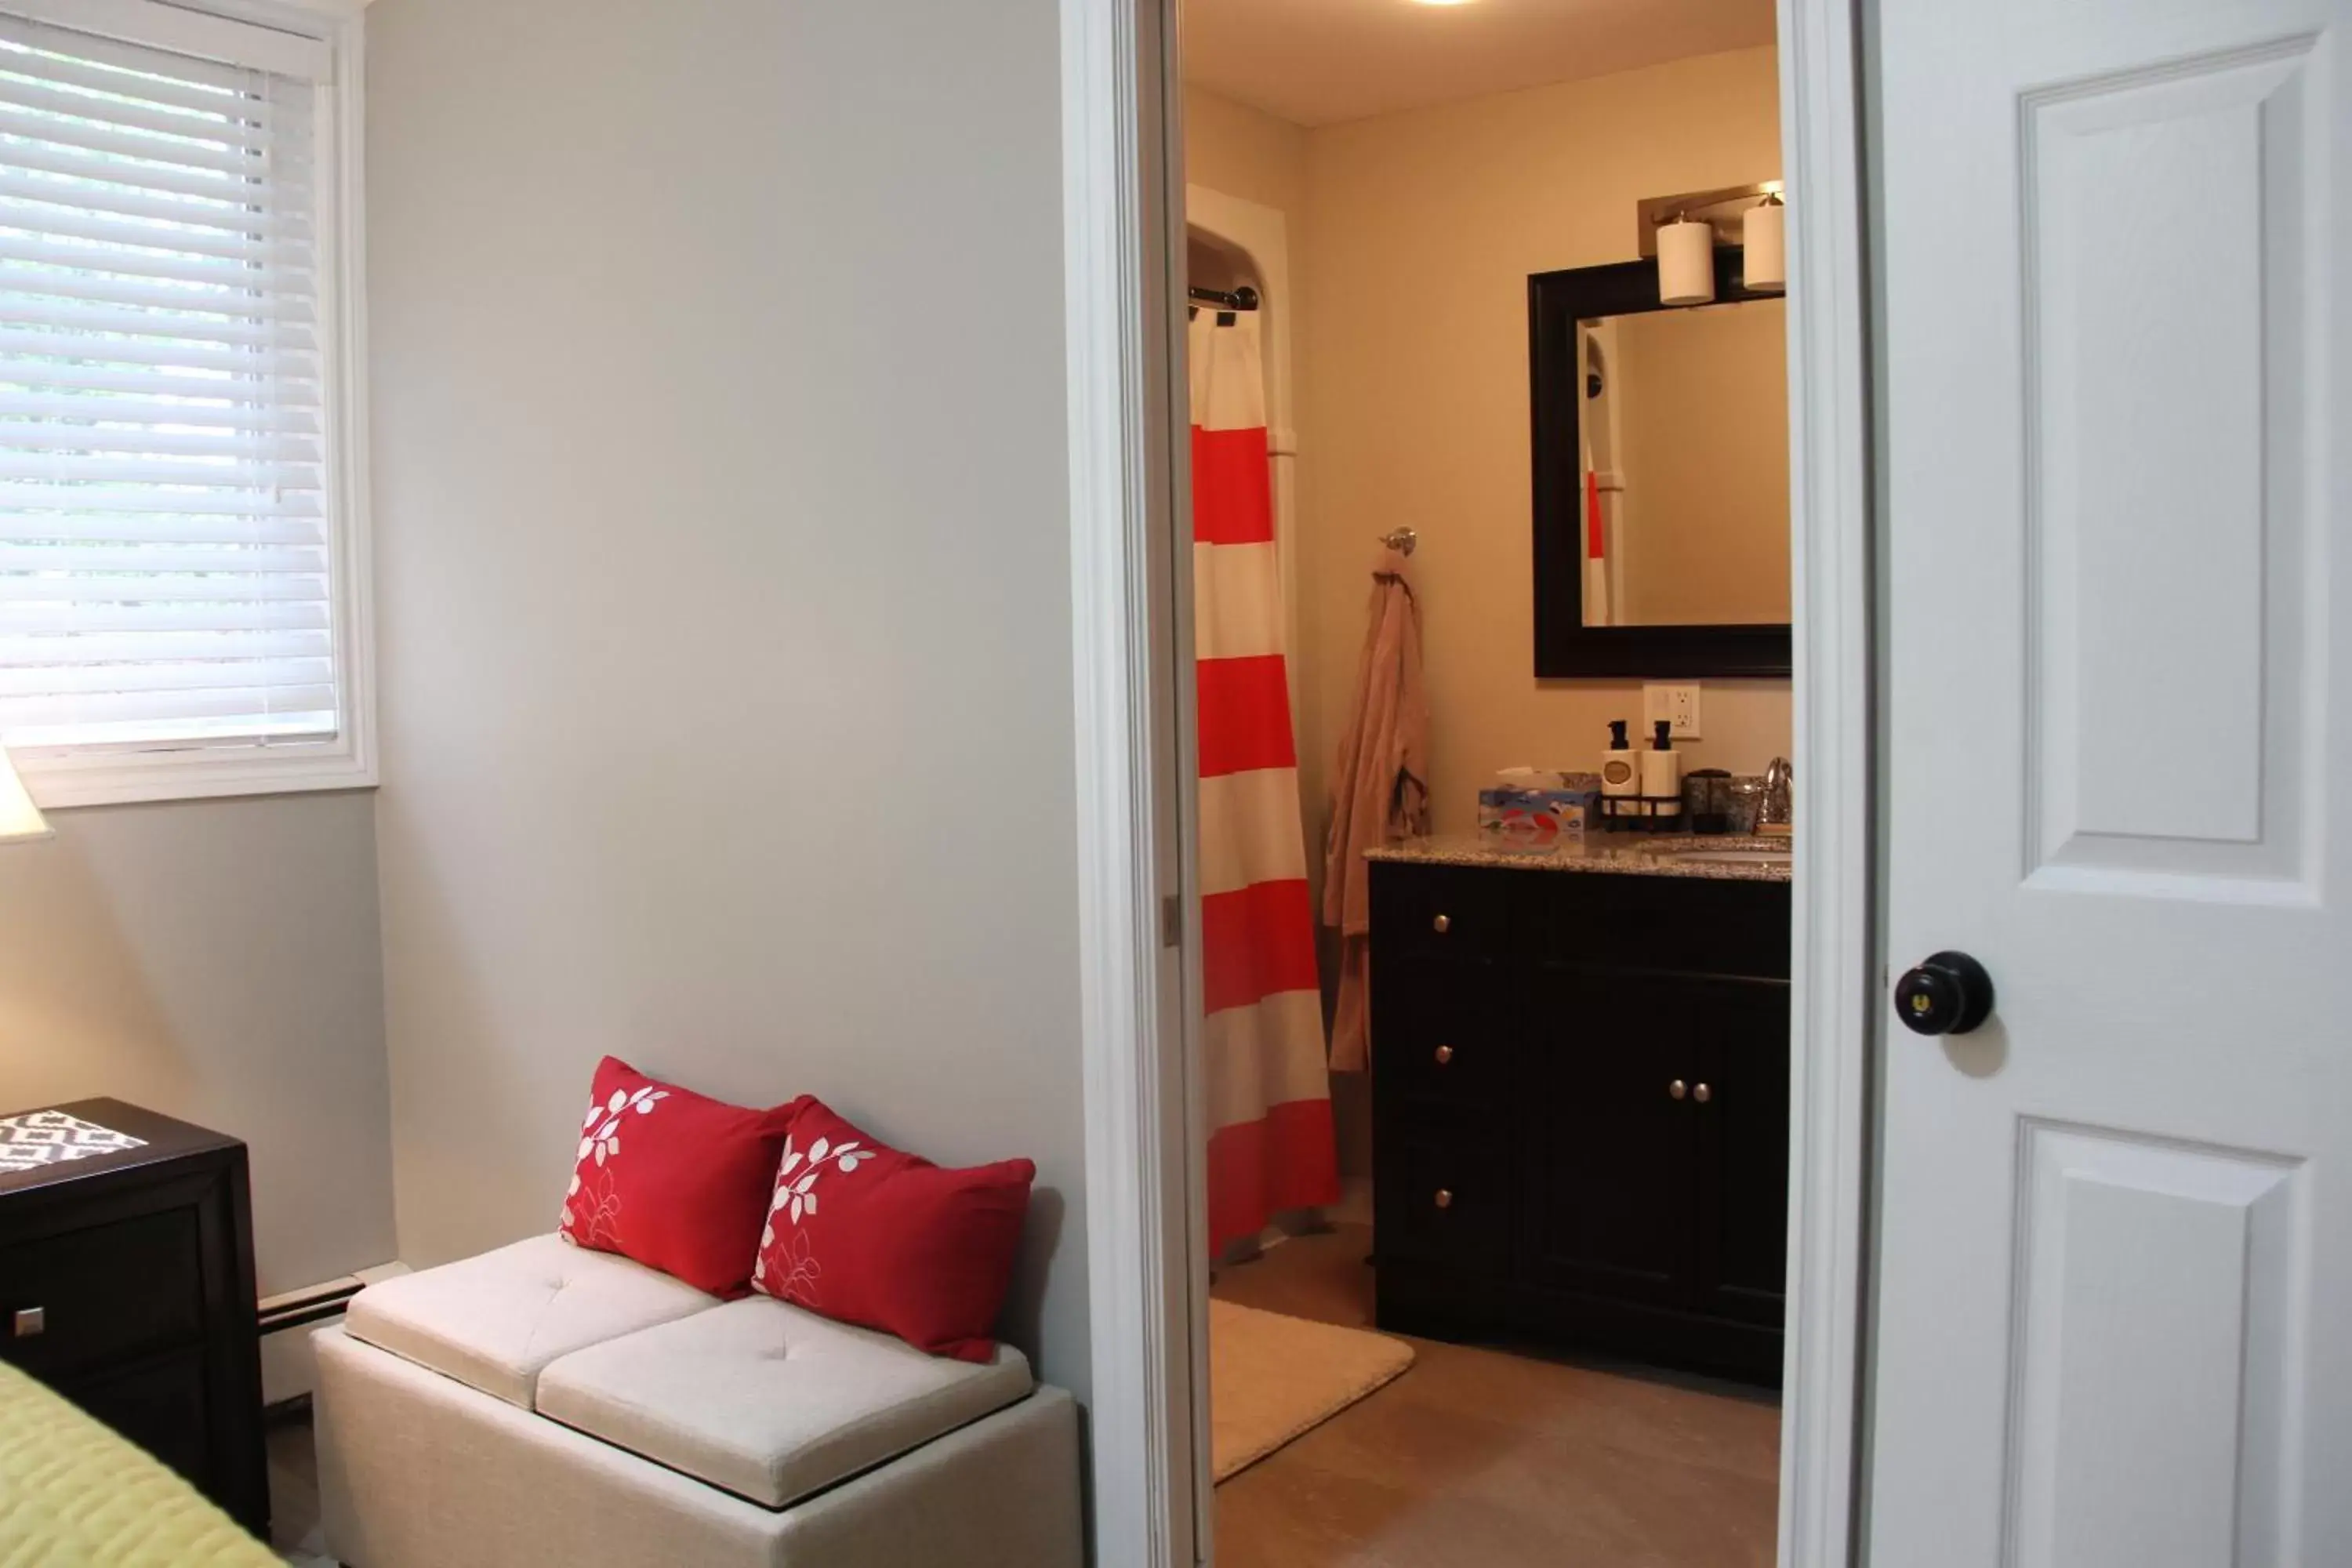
<point>1702,1094</point>
<point>1445,1197</point>
<point>28,1321</point>
<point>1442,924</point>
<point>1445,1055</point>
<point>1677,1088</point>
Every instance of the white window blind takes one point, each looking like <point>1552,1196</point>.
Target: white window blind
<point>165,581</point>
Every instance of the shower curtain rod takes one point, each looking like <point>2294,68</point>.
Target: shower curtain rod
<point>1242,299</point>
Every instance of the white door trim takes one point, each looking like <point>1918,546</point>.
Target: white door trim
<point>1146,1300</point>
<point>1146,1309</point>
<point>1836,1010</point>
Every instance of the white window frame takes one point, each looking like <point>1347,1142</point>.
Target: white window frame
<point>104,775</point>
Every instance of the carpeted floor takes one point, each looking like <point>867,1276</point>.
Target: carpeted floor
<point>1480,1459</point>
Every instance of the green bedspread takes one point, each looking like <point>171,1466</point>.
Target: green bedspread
<point>74,1495</point>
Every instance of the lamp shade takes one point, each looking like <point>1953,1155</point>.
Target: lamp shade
<point>1685,263</point>
<point>19,817</point>
<point>1764,245</point>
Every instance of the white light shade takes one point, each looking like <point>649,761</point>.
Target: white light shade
<point>1764,245</point>
<point>1685,263</point>
<point>19,817</point>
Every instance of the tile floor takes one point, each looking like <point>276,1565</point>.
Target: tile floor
<point>1478,1458</point>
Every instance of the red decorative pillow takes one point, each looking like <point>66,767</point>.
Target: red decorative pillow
<point>671,1178</point>
<point>869,1234</point>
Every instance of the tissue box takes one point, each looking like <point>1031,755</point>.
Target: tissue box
<point>1523,803</point>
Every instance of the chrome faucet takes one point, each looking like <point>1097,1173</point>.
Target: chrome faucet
<point>1777,776</point>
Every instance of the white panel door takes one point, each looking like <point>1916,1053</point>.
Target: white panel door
<point>2113,1316</point>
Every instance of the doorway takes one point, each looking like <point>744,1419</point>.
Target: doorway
<point>1602,1233</point>
<point>2107,1170</point>
<point>1156,1324</point>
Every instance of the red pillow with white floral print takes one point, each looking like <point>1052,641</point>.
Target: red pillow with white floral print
<point>672,1178</point>
<point>870,1235</point>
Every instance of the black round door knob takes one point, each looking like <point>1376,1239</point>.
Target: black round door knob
<point>1949,993</point>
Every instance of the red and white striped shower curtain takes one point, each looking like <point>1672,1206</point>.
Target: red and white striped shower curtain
<point>1270,1147</point>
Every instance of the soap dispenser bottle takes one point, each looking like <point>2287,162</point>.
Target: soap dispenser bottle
<point>1662,777</point>
<point>1620,774</point>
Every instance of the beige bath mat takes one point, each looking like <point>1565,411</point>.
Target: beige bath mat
<point>1272,1378</point>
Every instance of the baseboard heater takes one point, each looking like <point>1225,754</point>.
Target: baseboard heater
<point>311,1304</point>
<point>298,1309</point>
<point>286,1367</point>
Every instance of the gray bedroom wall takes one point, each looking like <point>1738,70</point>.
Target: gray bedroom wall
<point>220,962</point>
<point>723,588</point>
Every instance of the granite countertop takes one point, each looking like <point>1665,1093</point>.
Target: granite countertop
<point>1623,854</point>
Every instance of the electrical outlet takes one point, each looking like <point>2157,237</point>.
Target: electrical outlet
<point>1679,705</point>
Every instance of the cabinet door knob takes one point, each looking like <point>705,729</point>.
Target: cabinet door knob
<point>1442,924</point>
<point>1677,1088</point>
<point>1445,1055</point>
<point>1445,1197</point>
<point>1702,1094</point>
<point>28,1321</point>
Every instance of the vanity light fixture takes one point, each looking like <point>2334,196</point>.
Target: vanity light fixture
<point>1764,245</point>
<point>19,817</point>
<point>1685,262</point>
<point>1684,232</point>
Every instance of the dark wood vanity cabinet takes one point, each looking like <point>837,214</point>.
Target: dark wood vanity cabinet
<point>1580,1103</point>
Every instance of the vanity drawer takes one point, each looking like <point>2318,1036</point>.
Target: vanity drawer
<point>1687,925</point>
<point>1440,1031</point>
<point>1443,1196</point>
<point>103,1293</point>
<point>1445,911</point>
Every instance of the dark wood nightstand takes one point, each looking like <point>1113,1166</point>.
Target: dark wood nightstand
<point>126,1283</point>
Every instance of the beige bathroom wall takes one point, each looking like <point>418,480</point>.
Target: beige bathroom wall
<point>1419,232</point>
<point>1246,152</point>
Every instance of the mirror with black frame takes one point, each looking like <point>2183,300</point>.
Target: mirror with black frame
<point>1660,474</point>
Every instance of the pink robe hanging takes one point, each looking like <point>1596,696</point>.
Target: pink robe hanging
<point>1269,1097</point>
<point>1379,792</point>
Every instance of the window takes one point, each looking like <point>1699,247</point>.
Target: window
<point>178,609</point>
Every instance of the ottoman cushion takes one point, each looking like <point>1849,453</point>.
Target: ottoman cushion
<point>493,1322</point>
<point>770,1401</point>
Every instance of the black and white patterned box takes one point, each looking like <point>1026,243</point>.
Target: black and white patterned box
<point>40,1138</point>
